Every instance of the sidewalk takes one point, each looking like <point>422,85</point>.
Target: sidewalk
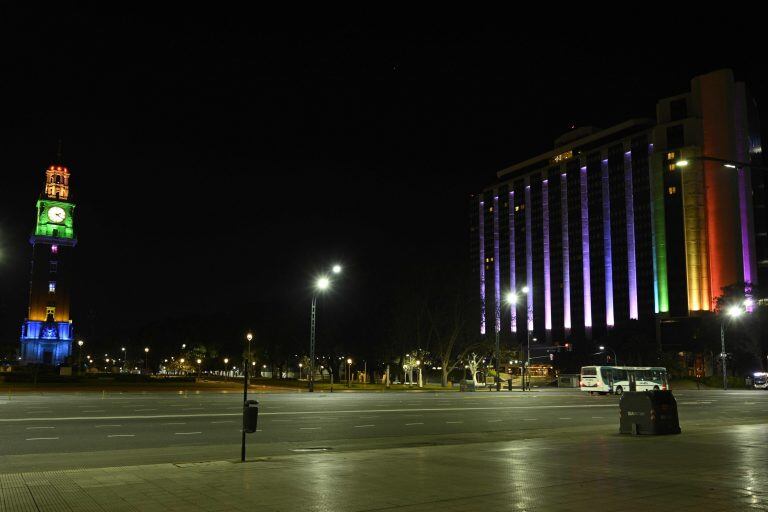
<point>701,469</point>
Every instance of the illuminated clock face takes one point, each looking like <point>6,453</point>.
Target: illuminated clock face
<point>57,214</point>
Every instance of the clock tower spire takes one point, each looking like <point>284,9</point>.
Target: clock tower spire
<point>46,334</point>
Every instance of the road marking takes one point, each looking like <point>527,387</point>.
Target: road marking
<point>94,410</point>
<point>140,410</point>
<point>294,413</point>
<point>530,419</point>
<point>409,424</point>
<point>38,428</point>
<point>107,426</point>
<point>493,421</point>
<point>174,423</point>
<point>597,417</point>
<point>454,422</point>
<point>364,426</point>
<point>121,435</point>
<point>564,418</point>
<point>225,421</point>
<point>186,433</point>
<point>41,438</point>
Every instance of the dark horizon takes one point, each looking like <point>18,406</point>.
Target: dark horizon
<point>217,168</point>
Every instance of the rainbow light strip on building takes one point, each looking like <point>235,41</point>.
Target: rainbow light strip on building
<point>482,268</point>
<point>566,256</point>
<point>631,254</point>
<point>585,249</point>
<point>609,317</point>
<point>545,232</point>
<point>496,275</point>
<point>528,255</point>
<point>512,277</point>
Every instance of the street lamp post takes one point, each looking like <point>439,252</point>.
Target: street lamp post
<point>79,356</point>
<point>125,356</point>
<point>733,312</point>
<point>199,362</point>
<point>603,348</point>
<point>321,285</point>
<point>300,367</point>
<point>512,300</point>
<point>349,372</point>
<point>146,356</point>
<point>248,337</point>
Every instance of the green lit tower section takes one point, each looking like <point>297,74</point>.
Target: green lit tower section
<point>47,333</point>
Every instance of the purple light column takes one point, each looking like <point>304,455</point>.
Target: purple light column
<point>512,280</point>
<point>528,255</point>
<point>482,268</point>
<point>631,258</point>
<point>609,318</point>
<point>585,250</point>
<point>566,263</point>
<point>496,276</point>
<point>545,232</point>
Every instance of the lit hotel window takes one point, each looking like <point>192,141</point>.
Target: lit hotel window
<point>54,249</point>
<point>51,286</point>
<point>672,190</point>
<point>672,167</point>
<point>671,155</point>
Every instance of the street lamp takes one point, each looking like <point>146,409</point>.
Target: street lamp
<point>125,356</point>
<point>300,366</point>
<point>512,300</point>
<point>79,355</point>
<point>146,356</point>
<point>322,284</point>
<point>199,361</point>
<point>615,359</point>
<point>349,371</point>
<point>733,312</point>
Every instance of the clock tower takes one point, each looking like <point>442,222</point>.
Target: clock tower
<point>46,335</point>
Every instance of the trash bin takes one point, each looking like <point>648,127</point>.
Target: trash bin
<point>648,412</point>
<point>250,416</point>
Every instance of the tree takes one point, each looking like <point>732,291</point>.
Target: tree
<point>450,336</point>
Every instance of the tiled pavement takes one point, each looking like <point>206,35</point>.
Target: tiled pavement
<point>703,470</point>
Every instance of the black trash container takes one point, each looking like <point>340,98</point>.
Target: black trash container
<point>250,416</point>
<point>648,412</point>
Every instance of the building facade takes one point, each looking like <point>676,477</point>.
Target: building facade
<point>646,220</point>
<point>47,332</point>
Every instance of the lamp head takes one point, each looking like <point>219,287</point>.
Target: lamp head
<point>323,283</point>
<point>525,289</point>
<point>735,311</point>
<point>249,336</point>
<point>80,343</point>
<point>682,163</point>
<point>349,361</point>
<point>602,347</point>
<point>337,269</point>
<point>511,298</point>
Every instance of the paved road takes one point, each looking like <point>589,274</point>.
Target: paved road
<point>64,430</point>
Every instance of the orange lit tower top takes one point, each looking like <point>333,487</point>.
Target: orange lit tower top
<point>57,182</point>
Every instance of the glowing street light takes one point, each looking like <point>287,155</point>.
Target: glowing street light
<point>322,284</point>
<point>733,312</point>
<point>349,371</point>
<point>511,299</point>
<point>615,359</point>
<point>146,357</point>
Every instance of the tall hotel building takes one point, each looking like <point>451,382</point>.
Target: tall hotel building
<point>612,225</point>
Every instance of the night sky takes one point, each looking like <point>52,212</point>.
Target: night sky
<point>219,163</point>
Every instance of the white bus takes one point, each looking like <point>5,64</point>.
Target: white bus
<point>616,379</point>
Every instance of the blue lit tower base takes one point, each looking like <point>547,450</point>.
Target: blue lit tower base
<point>46,342</point>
